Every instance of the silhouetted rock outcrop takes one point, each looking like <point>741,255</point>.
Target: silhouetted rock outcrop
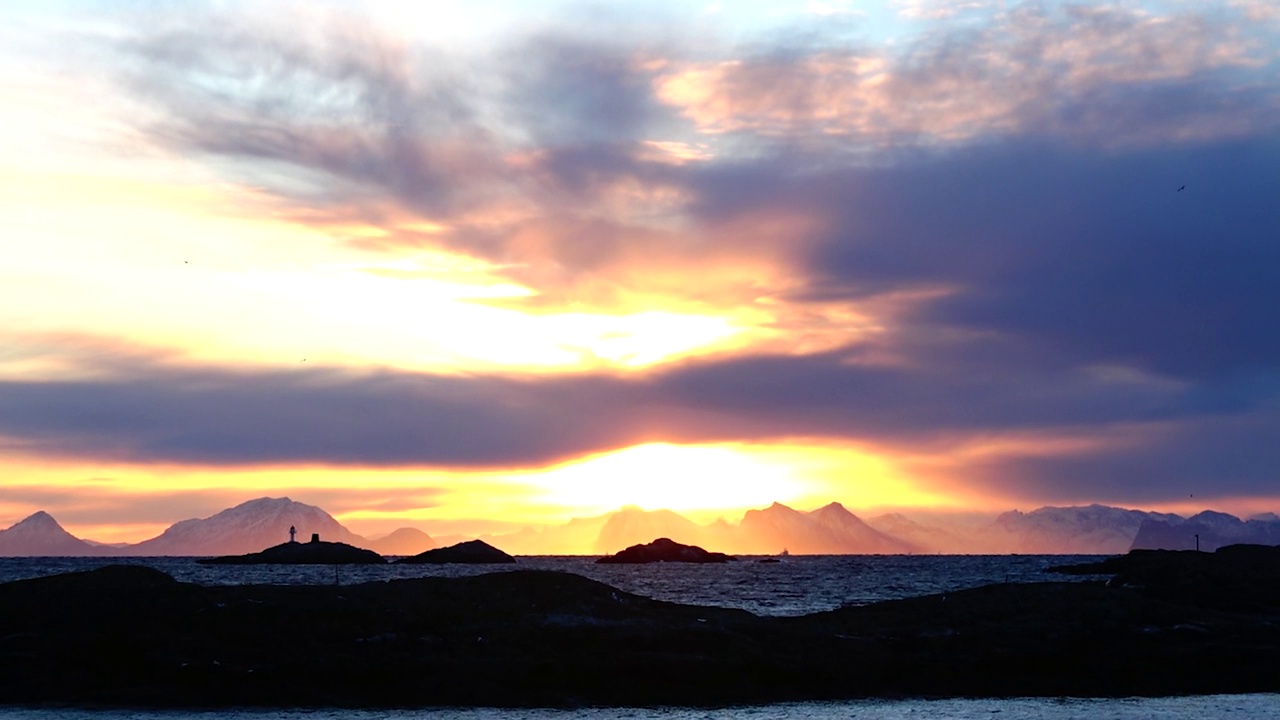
<point>664,550</point>
<point>473,552</point>
<point>316,552</point>
<point>1231,577</point>
<point>1185,623</point>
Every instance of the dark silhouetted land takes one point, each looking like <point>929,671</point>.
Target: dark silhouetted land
<point>316,552</point>
<point>664,550</point>
<point>1166,623</point>
<point>472,552</point>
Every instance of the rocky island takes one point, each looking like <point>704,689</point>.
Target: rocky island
<point>471,552</point>
<point>316,552</point>
<point>664,550</point>
<point>133,636</point>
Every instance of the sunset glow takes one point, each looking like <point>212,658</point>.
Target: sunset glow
<point>701,482</point>
<point>476,267</point>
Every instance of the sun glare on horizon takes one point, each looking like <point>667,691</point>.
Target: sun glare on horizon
<point>706,481</point>
<point>701,482</point>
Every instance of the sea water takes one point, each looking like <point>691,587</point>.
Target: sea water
<point>1207,707</point>
<point>795,585</point>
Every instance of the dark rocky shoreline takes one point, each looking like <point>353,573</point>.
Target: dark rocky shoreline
<point>132,636</point>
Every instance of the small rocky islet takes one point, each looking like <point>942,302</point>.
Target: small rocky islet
<point>1151,624</point>
<point>316,552</point>
<point>471,552</point>
<point>664,550</point>
<point>319,552</point>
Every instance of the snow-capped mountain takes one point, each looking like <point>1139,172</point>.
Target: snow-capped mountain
<point>245,528</point>
<point>41,536</point>
<point>1214,530</point>
<point>1091,529</point>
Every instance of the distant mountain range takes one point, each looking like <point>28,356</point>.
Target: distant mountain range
<point>1207,531</point>
<point>245,528</point>
<point>829,530</point>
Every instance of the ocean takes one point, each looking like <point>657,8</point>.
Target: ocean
<point>1211,707</point>
<point>795,585</point>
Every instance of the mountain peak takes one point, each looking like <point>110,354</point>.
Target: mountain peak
<point>264,503</point>
<point>1214,514</point>
<point>38,519</point>
<point>631,526</point>
<point>834,508</point>
<point>402,541</point>
<point>248,527</point>
<point>40,535</point>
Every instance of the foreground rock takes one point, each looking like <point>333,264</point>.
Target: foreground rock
<point>131,636</point>
<point>1231,577</point>
<point>472,552</point>
<point>316,552</point>
<point>665,550</point>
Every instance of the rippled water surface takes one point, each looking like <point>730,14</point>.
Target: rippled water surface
<point>795,586</point>
<point>1210,707</point>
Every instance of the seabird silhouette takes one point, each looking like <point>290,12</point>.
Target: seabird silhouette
<point>1184,187</point>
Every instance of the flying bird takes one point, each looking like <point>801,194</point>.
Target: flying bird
<point>1184,187</point>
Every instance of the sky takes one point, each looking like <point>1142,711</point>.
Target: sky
<point>475,266</point>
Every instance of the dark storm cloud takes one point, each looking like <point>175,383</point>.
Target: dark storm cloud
<point>376,419</point>
<point>1098,256</point>
<point>404,419</point>
<point>1231,456</point>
